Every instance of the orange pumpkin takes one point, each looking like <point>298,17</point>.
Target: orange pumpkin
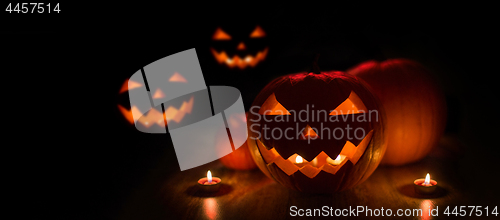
<point>240,159</point>
<point>414,104</point>
<point>316,132</point>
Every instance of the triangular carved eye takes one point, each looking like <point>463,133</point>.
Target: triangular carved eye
<point>177,78</point>
<point>351,105</point>
<point>129,85</point>
<point>220,35</point>
<point>258,32</point>
<point>272,107</point>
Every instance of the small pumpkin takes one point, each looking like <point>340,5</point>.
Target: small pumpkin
<point>239,159</point>
<point>299,128</point>
<point>415,107</point>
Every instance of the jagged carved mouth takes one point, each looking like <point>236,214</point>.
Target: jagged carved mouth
<point>322,161</point>
<point>154,116</point>
<point>240,62</point>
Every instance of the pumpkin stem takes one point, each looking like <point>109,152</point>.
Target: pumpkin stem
<point>315,67</point>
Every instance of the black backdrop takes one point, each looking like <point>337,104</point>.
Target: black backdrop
<point>62,73</point>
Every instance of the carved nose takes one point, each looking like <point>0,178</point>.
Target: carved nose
<point>241,46</point>
<point>309,133</point>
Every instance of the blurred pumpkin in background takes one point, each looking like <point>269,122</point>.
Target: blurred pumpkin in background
<point>414,104</point>
<point>239,159</point>
<point>154,118</point>
<point>240,47</point>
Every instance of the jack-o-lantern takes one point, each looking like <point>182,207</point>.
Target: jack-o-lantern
<point>415,107</point>
<point>155,117</point>
<point>239,49</point>
<point>317,132</point>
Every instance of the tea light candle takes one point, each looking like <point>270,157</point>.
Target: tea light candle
<point>209,183</point>
<point>337,160</point>
<point>425,186</point>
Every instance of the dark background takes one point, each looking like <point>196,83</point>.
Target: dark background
<point>74,153</point>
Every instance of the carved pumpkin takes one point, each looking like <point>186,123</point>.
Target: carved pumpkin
<point>415,107</point>
<point>316,132</point>
<point>239,49</point>
<point>155,117</point>
<point>239,159</point>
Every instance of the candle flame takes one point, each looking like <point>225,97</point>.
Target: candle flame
<point>298,159</point>
<point>427,179</point>
<point>209,176</point>
<point>338,158</point>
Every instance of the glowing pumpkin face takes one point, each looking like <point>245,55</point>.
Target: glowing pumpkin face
<point>239,50</point>
<point>155,117</point>
<point>317,132</point>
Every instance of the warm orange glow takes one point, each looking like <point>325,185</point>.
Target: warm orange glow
<point>127,114</point>
<point>237,61</point>
<point>299,159</point>
<point>427,206</point>
<point>258,32</point>
<point>414,104</point>
<point>178,114</point>
<point>210,207</point>
<point>350,151</point>
<point>177,78</point>
<point>272,107</point>
<point>338,161</point>
<point>427,179</point>
<point>220,35</point>
<point>129,85</point>
<point>154,116</point>
<point>148,120</point>
<point>309,133</point>
<point>354,153</point>
<point>158,94</point>
<point>268,155</point>
<point>209,176</point>
<point>236,120</point>
<point>351,105</point>
<point>241,46</point>
<point>309,171</point>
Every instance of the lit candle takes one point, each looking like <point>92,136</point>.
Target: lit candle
<point>425,186</point>
<point>299,159</point>
<point>209,183</point>
<point>337,160</point>
<point>209,177</point>
<point>300,162</point>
